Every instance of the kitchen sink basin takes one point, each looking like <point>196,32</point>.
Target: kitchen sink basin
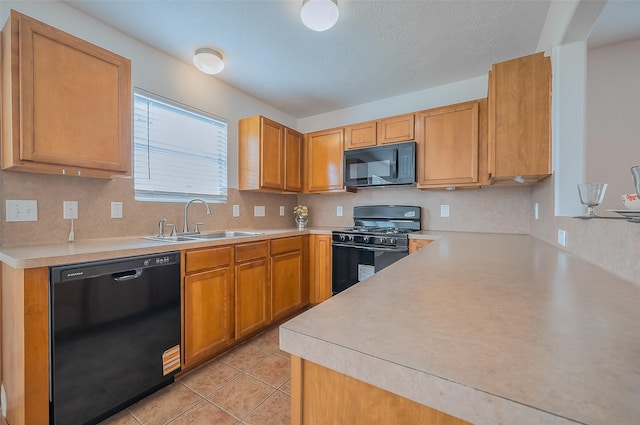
<point>218,235</point>
<point>169,238</point>
<point>201,236</point>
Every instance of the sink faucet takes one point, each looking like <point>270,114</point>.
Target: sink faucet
<point>185,225</point>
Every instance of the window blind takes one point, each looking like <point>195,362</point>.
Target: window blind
<point>179,152</point>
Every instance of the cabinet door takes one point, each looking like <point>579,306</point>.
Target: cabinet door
<point>320,268</point>
<point>293,160</point>
<point>271,154</point>
<point>396,129</point>
<point>252,296</point>
<point>323,161</point>
<point>287,276</point>
<point>360,135</point>
<point>208,313</point>
<point>73,103</point>
<point>519,118</point>
<point>448,145</point>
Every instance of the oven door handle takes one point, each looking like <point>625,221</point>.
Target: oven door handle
<point>366,248</point>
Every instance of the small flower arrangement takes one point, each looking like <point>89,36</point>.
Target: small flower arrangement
<point>301,215</point>
<point>301,211</point>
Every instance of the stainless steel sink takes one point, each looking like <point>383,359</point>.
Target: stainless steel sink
<point>169,238</point>
<point>201,236</point>
<point>227,234</point>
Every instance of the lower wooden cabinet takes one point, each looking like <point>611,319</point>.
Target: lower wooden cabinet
<point>252,288</point>
<point>324,396</point>
<point>208,326</point>
<point>320,268</point>
<point>232,292</point>
<point>289,288</point>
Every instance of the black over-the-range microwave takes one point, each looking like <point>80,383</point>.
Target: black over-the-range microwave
<point>393,164</point>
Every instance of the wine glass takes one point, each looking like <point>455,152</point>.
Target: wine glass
<point>591,195</point>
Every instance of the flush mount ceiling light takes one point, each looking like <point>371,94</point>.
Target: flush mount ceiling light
<point>319,15</point>
<point>208,60</point>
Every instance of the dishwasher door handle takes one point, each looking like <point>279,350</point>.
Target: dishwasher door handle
<point>127,275</point>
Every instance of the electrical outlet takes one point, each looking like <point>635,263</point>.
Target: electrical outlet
<point>21,210</point>
<point>70,209</point>
<point>562,237</point>
<point>444,210</point>
<point>536,208</point>
<point>116,210</point>
<point>339,210</point>
<point>236,210</point>
<point>281,210</point>
<point>258,211</point>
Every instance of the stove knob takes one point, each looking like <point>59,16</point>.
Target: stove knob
<point>350,237</point>
<point>342,237</point>
<point>383,240</point>
<point>392,241</point>
<point>365,239</point>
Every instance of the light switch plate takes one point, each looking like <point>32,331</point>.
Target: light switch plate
<point>116,210</point>
<point>21,210</point>
<point>70,210</point>
<point>236,210</point>
<point>281,210</point>
<point>536,210</point>
<point>562,237</point>
<point>258,211</point>
<point>339,210</point>
<point>444,210</point>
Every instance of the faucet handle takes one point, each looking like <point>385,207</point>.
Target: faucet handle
<point>197,228</point>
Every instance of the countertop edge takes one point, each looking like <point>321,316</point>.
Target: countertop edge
<point>479,407</point>
<point>45,255</point>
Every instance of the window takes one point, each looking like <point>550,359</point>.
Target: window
<point>180,153</point>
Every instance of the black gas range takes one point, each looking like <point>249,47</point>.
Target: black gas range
<point>378,238</point>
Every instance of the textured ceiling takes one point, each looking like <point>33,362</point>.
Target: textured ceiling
<point>378,49</point>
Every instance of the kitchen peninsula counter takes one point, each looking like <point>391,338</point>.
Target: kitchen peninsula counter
<point>492,329</point>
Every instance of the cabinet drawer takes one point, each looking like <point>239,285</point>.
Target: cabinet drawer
<point>279,246</point>
<point>208,258</point>
<point>249,251</point>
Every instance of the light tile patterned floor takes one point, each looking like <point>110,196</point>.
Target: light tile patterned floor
<point>248,386</point>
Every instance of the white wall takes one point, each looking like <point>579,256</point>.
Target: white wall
<point>613,144</point>
<point>613,119</point>
<point>157,72</point>
<point>461,91</point>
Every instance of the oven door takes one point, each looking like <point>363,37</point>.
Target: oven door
<point>351,264</point>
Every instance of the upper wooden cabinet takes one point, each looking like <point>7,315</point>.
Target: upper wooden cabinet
<point>293,151</point>
<point>449,145</point>
<point>66,105</point>
<point>519,119</point>
<point>362,135</point>
<point>387,130</point>
<point>269,156</point>
<point>396,129</point>
<point>323,161</point>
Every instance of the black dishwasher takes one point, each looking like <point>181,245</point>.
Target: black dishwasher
<point>114,332</point>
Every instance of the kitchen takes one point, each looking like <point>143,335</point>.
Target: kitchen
<point>494,209</point>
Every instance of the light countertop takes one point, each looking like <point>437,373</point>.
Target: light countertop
<point>493,329</point>
<point>29,256</point>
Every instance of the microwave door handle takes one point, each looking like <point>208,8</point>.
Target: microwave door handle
<point>394,164</point>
